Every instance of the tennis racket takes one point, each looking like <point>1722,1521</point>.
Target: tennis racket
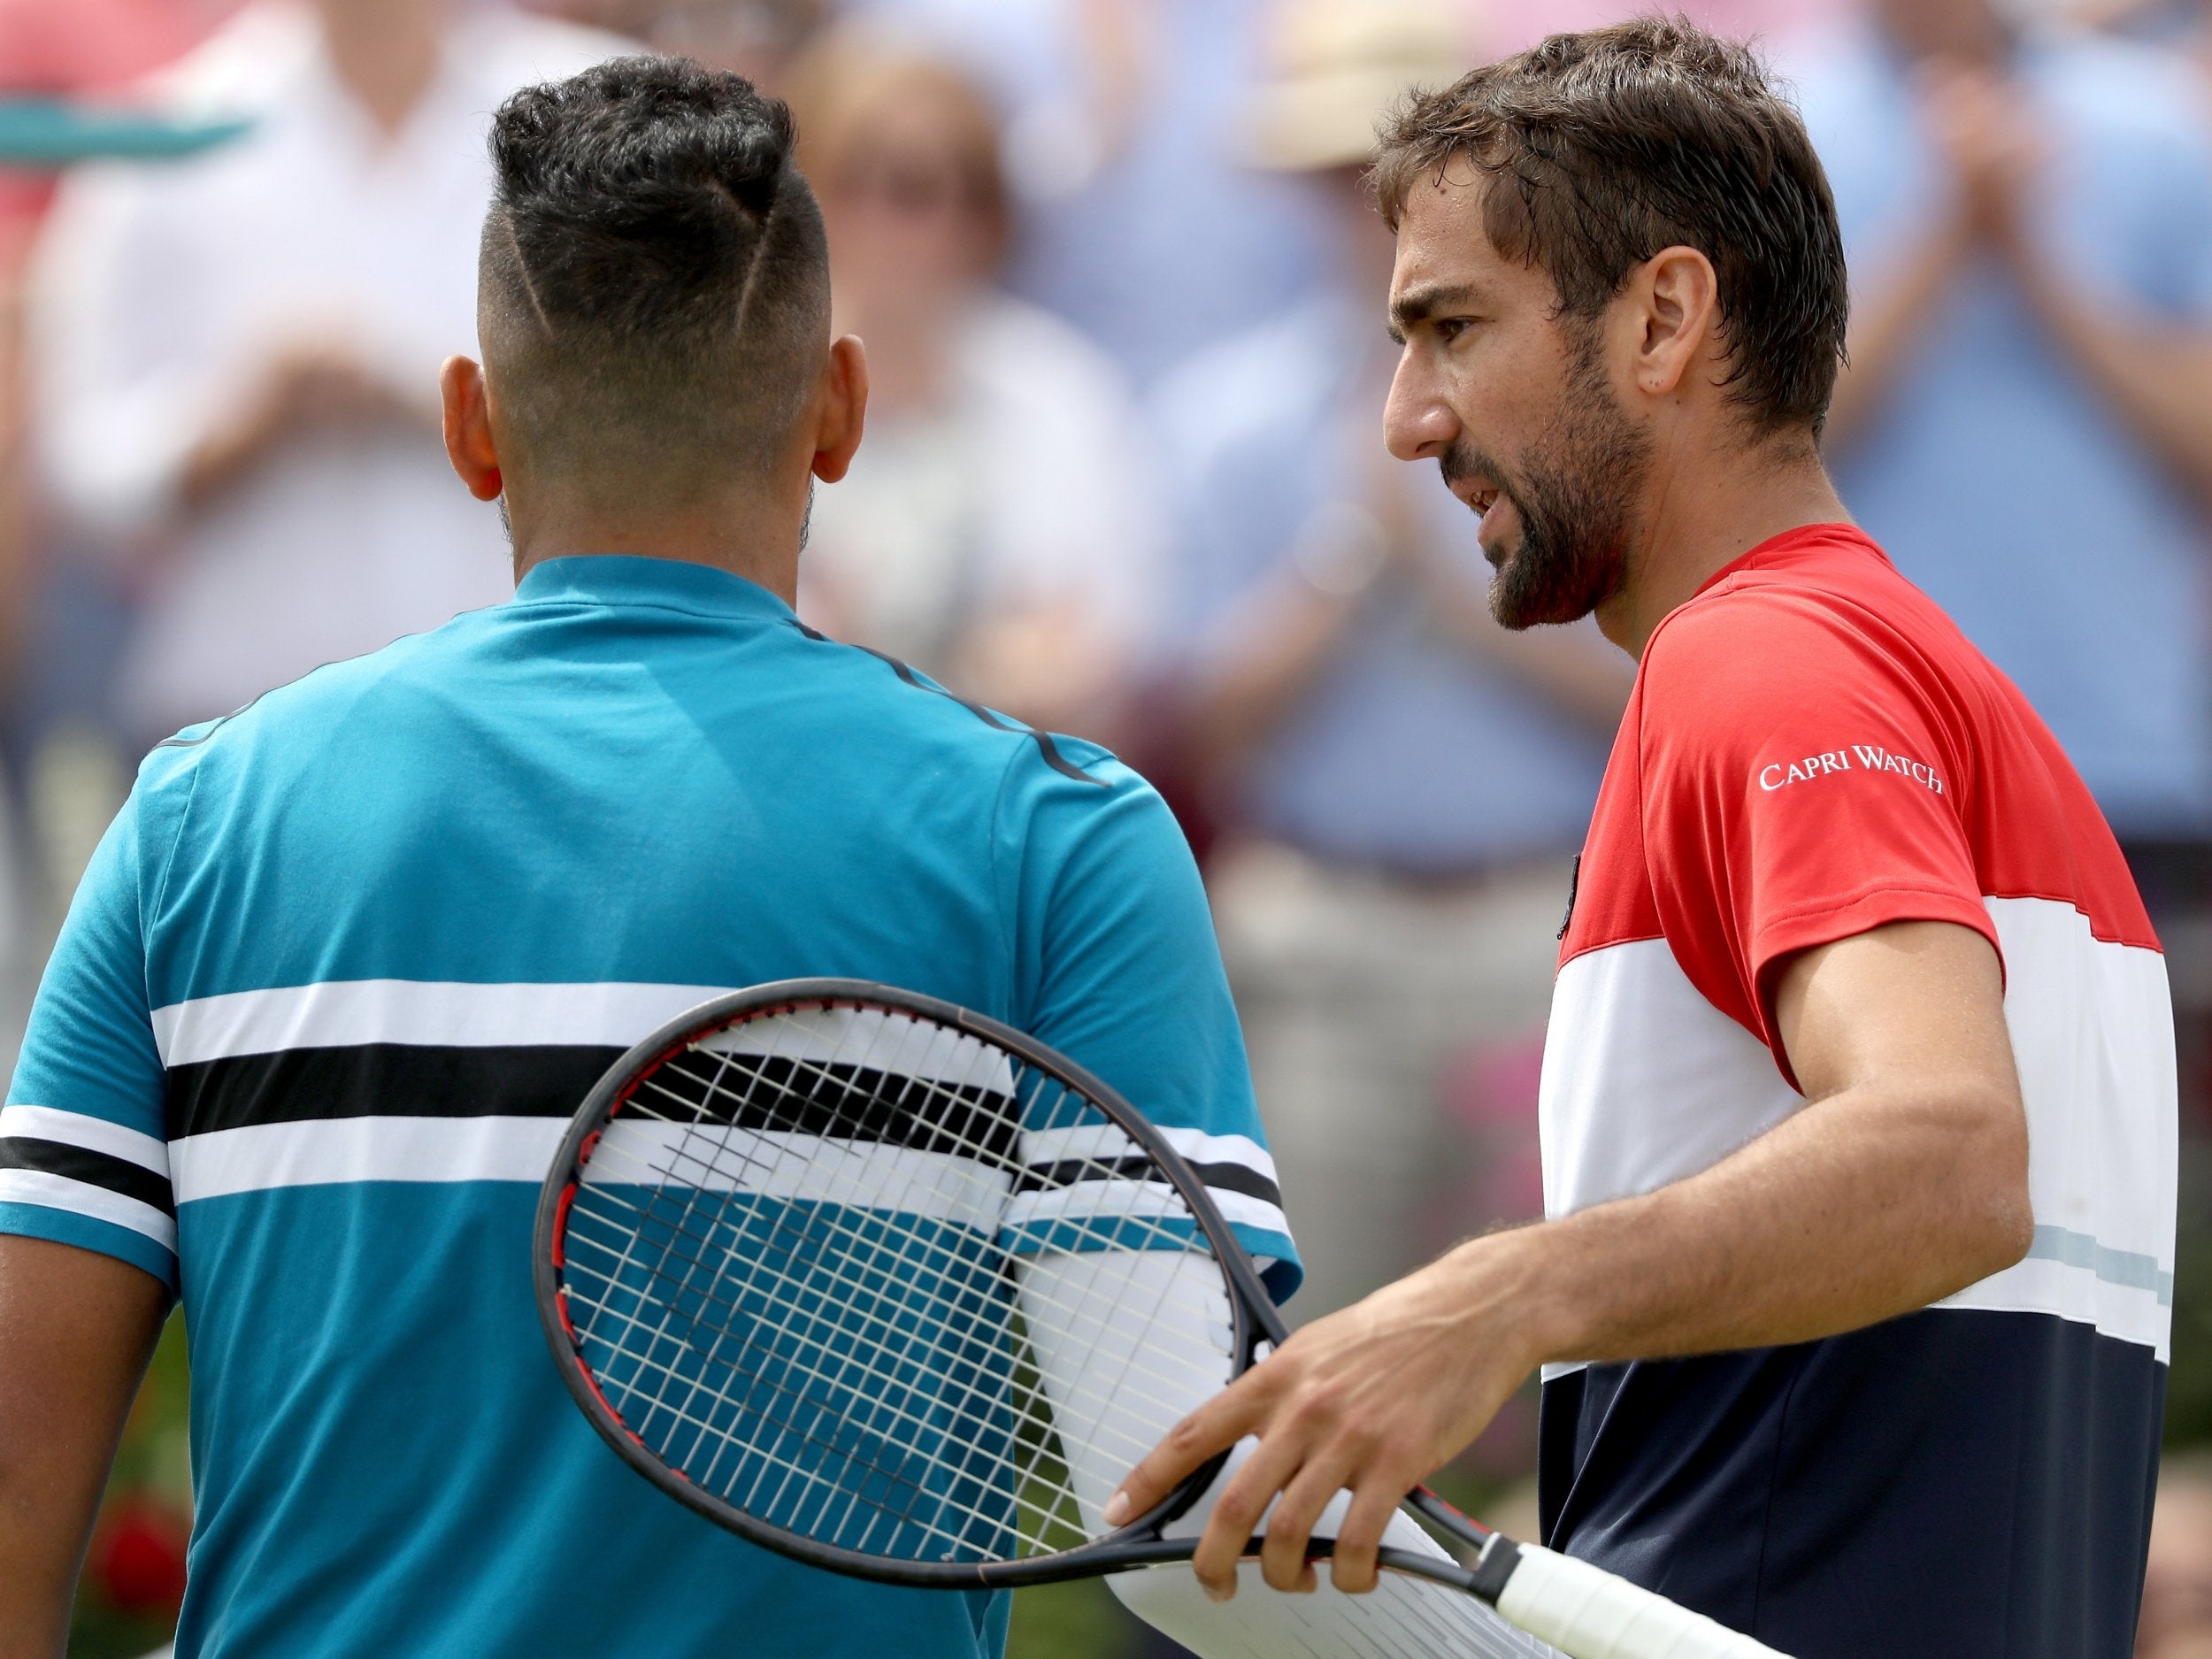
<point>891,1289</point>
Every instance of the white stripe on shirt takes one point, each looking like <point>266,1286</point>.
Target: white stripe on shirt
<point>80,1129</point>
<point>81,1198</point>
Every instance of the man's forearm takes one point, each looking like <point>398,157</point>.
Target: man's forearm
<point>1284,640</point>
<point>1852,1211</point>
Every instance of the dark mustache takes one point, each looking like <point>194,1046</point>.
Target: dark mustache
<point>1463,461</point>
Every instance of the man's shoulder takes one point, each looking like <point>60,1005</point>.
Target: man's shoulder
<point>307,714</point>
<point>1824,578</point>
<point>1041,789</point>
<point>1032,782</point>
<point>1825,616</point>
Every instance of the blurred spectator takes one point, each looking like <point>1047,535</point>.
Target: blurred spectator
<point>997,529</point>
<point>758,39</point>
<point>2027,420</point>
<point>1410,778</point>
<point>1137,223</point>
<point>236,355</point>
<point>1513,25</point>
<point>2177,1581</point>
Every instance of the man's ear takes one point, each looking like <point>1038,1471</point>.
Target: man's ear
<point>1673,303</point>
<point>468,428</point>
<point>840,409</point>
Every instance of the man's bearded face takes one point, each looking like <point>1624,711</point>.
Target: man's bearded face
<point>1561,546</point>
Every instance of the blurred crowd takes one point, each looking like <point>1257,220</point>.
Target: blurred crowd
<point>1122,292</point>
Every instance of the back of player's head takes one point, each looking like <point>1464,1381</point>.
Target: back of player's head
<point>654,295</point>
<point>1605,147</point>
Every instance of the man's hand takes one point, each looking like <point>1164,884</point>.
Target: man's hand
<point>76,1330</point>
<point>1902,1180</point>
<point>1981,126</point>
<point>1370,1399</point>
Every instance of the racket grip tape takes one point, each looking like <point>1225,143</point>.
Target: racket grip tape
<point>1588,1613</point>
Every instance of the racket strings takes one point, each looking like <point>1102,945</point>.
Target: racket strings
<point>779,1459</point>
<point>1179,1384</point>
<point>1045,1511</point>
<point>1040,1421</point>
<point>719,1148</point>
<point>1172,1404</point>
<point>885,1327</point>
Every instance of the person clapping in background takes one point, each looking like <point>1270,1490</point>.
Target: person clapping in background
<point>236,357</point>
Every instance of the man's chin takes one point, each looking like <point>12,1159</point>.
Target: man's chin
<point>1512,603</point>
<point>1517,609</point>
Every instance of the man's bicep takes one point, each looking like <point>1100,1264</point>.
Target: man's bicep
<point>1899,1039</point>
<point>1913,1002</point>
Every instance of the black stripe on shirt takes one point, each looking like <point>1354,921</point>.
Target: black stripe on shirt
<point>94,1169</point>
<point>843,1103</point>
<point>1220,1178</point>
<point>380,1080</point>
<point>422,1081</point>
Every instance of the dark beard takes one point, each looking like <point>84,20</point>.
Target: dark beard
<point>1574,499</point>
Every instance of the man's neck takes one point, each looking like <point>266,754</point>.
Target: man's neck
<point>1705,517</point>
<point>752,540</point>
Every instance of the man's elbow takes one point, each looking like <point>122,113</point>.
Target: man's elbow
<point>1989,1182</point>
<point>2006,1230</point>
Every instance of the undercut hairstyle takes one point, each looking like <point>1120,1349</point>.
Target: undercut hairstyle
<point>1602,148</point>
<point>654,289</point>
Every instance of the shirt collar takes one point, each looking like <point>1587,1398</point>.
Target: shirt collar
<point>1807,539</point>
<point>629,579</point>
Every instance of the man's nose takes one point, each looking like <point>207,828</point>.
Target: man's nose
<point>1417,424</point>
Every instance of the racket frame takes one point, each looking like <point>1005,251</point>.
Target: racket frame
<point>1136,1544</point>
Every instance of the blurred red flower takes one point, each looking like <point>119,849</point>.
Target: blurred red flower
<point>137,1556</point>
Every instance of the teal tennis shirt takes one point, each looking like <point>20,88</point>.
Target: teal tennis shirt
<point>348,960</point>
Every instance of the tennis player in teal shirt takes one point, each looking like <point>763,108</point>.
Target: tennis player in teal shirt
<point>350,957</point>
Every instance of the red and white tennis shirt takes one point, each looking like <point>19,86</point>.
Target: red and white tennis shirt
<point>1814,750</point>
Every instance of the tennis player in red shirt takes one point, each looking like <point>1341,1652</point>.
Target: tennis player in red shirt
<point>1853,1299</point>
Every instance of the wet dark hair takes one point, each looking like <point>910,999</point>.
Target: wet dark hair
<point>654,278</point>
<point>1603,147</point>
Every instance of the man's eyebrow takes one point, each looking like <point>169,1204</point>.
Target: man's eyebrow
<point>1419,304</point>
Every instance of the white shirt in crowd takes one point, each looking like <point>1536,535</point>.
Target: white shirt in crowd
<point>163,292</point>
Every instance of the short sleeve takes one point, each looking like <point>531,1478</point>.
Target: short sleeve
<point>1118,968</point>
<point>1802,783</point>
<point>84,1157</point>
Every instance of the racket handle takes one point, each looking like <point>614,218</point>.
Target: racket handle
<point>1588,1613</point>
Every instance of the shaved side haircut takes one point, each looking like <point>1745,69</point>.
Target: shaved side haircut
<point>654,289</point>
